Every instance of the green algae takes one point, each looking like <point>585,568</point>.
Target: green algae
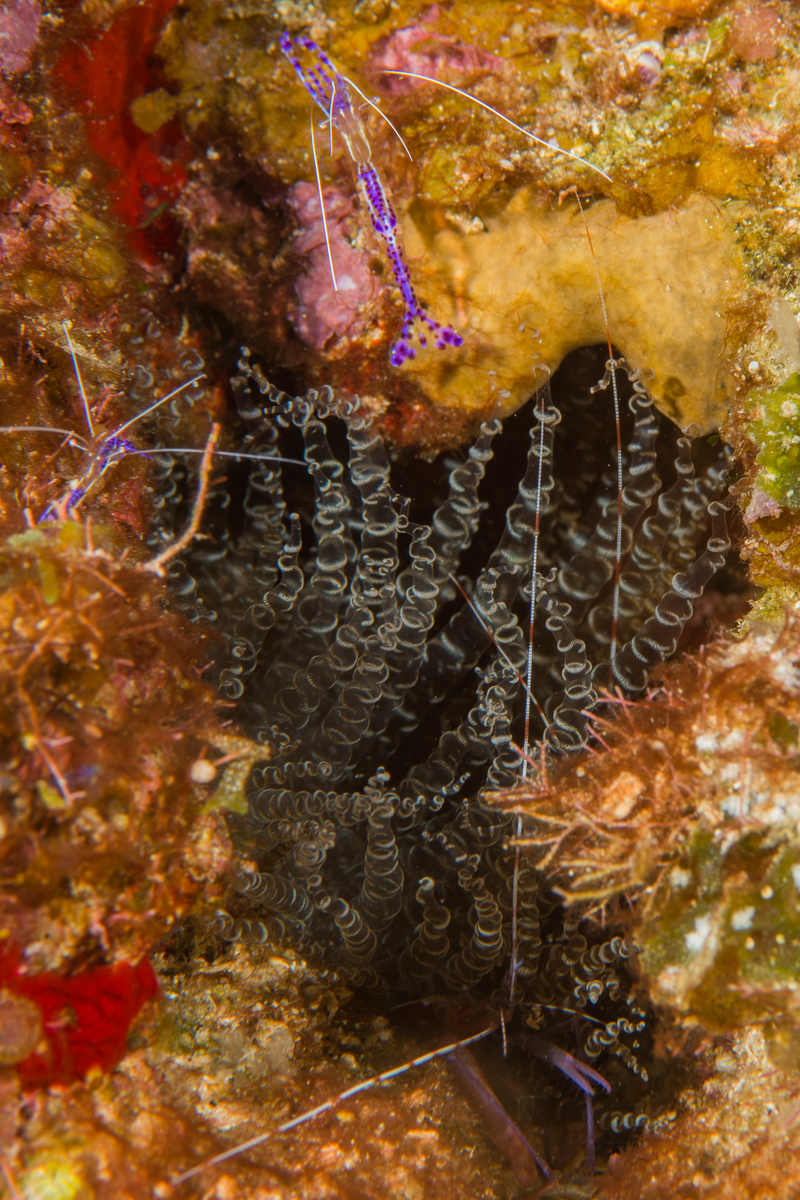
<point>12,173</point>
<point>784,732</point>
<point>449,177</point>
<point>775,430</point>
<point>154,109</point>
<point>725,945</point>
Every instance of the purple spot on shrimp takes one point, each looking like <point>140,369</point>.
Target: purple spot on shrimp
<point>402,351</point>
<point>115,445</point>
<point>51,513</point>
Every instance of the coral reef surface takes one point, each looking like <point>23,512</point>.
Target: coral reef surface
<point>669,116</point>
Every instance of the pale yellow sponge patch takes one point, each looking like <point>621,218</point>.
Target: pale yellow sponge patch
<point>522,288</point>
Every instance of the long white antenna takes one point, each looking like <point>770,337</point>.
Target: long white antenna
<point>531,698</point>
<point>157,404</point>
<point>615,392</point>
<point>330,126</point>
<point>76,368</point>
<point>508,121</point>
<point>373,1081</point>
<point>155,451</point>
<point>513,969</point>
<point>321,201</point>
<point>526,745</point>
<point>43,429</point>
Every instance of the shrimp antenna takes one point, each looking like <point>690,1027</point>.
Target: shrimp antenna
<point>321,201</point>
<point>508,121</point>
<point>544,392</point>
<point>76,368</point>
<point>615,393</point>
<point>330,128</point>
<point>524,753</point>
<point>499,648</point>
<point>155,451</point>
<point>380,113</point>
<point>311,1113</point>
<point>176,391</point>
<point>43,429</point>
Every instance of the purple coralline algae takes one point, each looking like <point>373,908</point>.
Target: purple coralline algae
<point>19,33</point>
<point>420,49</point>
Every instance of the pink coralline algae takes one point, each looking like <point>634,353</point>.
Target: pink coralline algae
<point>761,505</point>
<point>44,204</point>
<point>19,33</point>
<point>755,33</point>
<point>36,213</point>
<point>12,112</point>
<point>419,48</point>
<point>321,312</point>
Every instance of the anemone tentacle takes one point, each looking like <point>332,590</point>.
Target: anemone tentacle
<point>347,651</point>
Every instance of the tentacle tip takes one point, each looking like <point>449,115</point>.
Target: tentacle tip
<point>401,352</point>
<point>449,337</point>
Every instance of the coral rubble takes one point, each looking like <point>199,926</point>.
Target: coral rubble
<point>737,1135</point>
<point>241,1042</point>
<point>693,809</point>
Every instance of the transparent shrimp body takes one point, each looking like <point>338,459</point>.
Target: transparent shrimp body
<point>329,89</point>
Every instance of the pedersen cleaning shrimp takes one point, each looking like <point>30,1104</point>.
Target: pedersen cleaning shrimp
<point>331,91</point>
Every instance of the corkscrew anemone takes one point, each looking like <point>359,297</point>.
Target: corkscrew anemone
<point>349,657</point>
